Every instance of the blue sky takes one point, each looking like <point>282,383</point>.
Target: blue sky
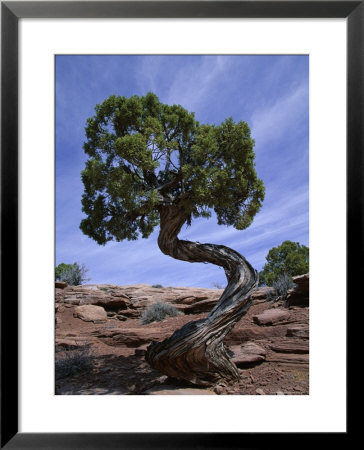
<point>270,93</point>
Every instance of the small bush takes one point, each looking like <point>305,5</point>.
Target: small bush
<point>217,285</point>
<point>157,312</point>
<point>281,287</point>
<point>73,361</point>
<point>157,286</point>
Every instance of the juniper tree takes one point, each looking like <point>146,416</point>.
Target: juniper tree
<point>74,274</point>
<point>152,164</point>
<point>288,259</point>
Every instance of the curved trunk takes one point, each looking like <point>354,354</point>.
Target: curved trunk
<point>196,351</point>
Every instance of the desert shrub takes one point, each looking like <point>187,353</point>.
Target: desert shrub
<point>157,286</point>
<point>281,287</point>
<point>73,274</point>
<point>71,362</point>
<point>283,284</point>
<point>271,296</point>
<point>157,312</point>
<point>217,285</point>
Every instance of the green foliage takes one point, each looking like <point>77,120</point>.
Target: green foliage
<point>62,268</point>
<point>143,154</point>
<point>288,259</point>
<point>158,312</point>
<point>157,286</point>
<point>73,274</point>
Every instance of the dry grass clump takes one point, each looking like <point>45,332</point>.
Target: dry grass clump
<point>157,312</point>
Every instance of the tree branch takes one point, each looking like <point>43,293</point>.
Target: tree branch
<point>170,184</point>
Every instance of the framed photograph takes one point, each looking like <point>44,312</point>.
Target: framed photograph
<point>293,71</point>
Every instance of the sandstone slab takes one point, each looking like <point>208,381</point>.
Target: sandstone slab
<point>289,358</point>
<point>252,332</point>
<point>172,390</point>
<point>291,346</point>
<point>70,344</point>
<point>59,308</point>
<point>299,295</point>
<point>91,313</point>
<point>202,306</point>
<point>300,331</point>
<point>129,313</point>
<point>134,299</point>
<point>271,317</point>
<point>142,350</point>
<point>128,337</point>
<point>248,353</point>
<point>262,293</point>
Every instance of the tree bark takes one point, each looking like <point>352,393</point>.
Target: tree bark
<point>196,351</point>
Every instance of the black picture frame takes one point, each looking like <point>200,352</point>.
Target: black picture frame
<point>11,12</point>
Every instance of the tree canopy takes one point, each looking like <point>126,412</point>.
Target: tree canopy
<point>289,258</point>
<point>144,154</point>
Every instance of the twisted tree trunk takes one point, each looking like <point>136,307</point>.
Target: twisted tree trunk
<point>196,351</point>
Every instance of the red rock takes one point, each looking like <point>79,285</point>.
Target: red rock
<point>242,333</point>
<point>142,350</point>
<point>137,298</point>
<point>298,388</point>
<point>219,390</point>
<point>271,316</point>
<point>259,391</point>
<point>290,347</point>
<point>261,293</point>
<point>114,302</point>
<point>173,390</point>
<point>67,344</point>
<point>122,318</point>
<point>299,295</point>
<point>247,353</point>
<point>301,331</point>
<point>59,297</point>
<point>129,313</point>
<point>128,337</point>
<point>91,313</point>
<point>289,359</point>
<point>201,306</point>
<point>59,308</point>
<point>190,299</point>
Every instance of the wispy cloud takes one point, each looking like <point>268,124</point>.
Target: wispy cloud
<point>288,114</point>
<point>194,83</point>
<point>271,93</point>
<point>188,81</point>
